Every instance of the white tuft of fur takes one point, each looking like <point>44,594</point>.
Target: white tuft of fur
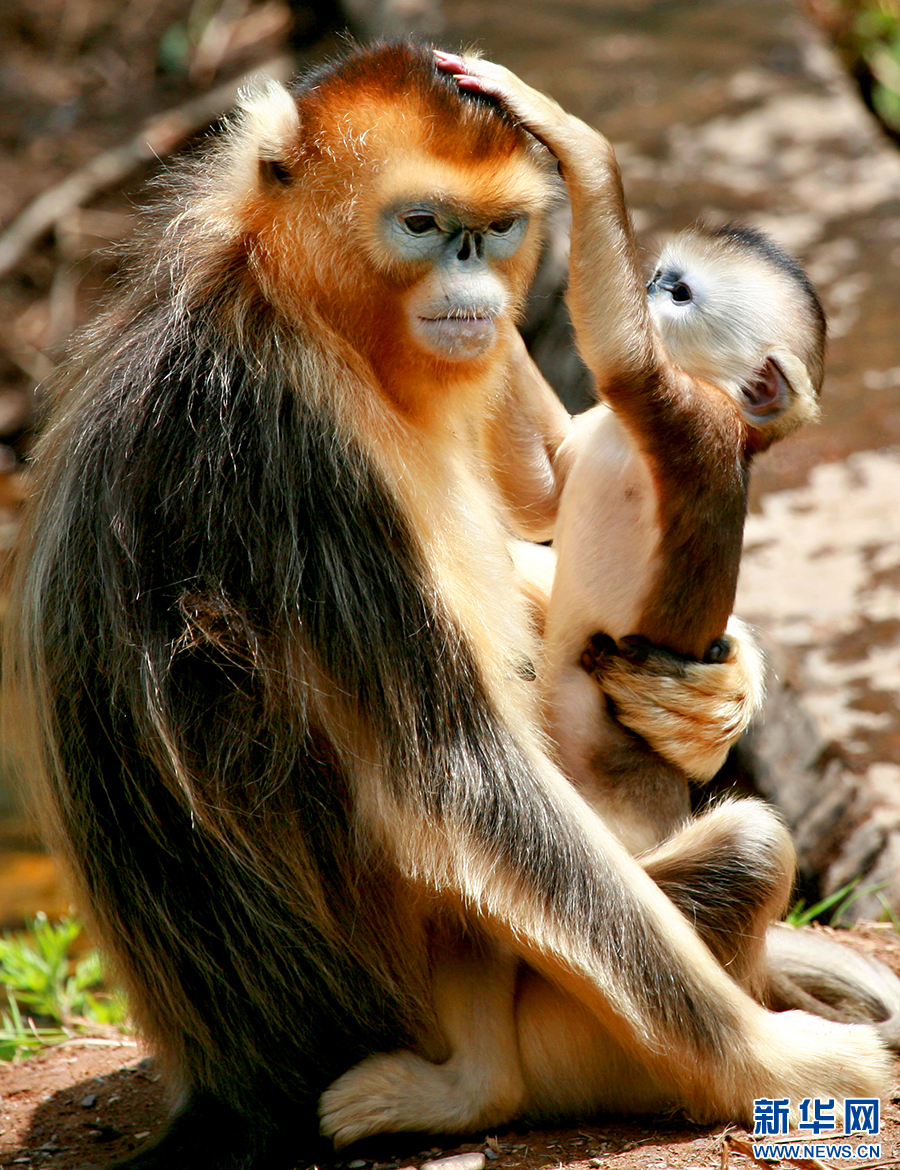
<point>214,188</point>
<point>267,120</point>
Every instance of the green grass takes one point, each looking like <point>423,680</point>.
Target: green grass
<point>866,33</point>
<point>50,995</point>
<point>838,903</point>
<point>875,35</point>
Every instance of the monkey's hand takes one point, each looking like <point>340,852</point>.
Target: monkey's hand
<point>690,712</point>
<point>606,296</point>
<point>577,146</point>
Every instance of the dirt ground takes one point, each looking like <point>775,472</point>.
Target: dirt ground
<point>86,1105</point>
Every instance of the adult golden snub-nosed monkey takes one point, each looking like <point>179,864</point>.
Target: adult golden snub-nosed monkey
<point>269,649</point>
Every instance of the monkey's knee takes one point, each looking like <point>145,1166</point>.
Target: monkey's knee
<point>730,873</point>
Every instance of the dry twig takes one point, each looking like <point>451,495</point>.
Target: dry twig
<point>159,137</point>
<point>731,1142</point>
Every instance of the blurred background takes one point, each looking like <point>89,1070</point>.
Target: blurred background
<point>763,111</point>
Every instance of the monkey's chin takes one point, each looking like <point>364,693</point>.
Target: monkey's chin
<point>455,339</point>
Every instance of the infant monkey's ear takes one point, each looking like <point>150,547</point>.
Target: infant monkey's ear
<point>778,398</point>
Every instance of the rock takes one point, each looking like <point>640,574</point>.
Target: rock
<point>821,578</point>
<point>472,1161</point>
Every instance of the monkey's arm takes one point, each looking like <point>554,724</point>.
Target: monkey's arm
<point>526,446</point>
<point>670,438</point>
<point>607,296</point>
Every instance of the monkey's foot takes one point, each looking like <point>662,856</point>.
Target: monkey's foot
<point>729,871</point>
<point>812,1057</point>
<point>400,1092</point>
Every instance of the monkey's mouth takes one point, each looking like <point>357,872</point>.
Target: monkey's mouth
<point>458,336</point>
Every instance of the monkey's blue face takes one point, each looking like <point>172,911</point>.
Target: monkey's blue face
<point>453,306</point>
<point>442,233</point>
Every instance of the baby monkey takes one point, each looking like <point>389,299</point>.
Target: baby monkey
<point>728,358</point>
<point>720,355</point>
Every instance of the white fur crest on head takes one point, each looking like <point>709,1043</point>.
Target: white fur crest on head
<point>267,117</point>
<point>264,127</point>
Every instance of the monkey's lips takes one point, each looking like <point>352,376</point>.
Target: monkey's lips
<point>456,338</point>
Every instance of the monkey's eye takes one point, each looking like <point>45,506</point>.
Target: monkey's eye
<point>681,292</point>
<point>419,223</point>
<point>501,226</point>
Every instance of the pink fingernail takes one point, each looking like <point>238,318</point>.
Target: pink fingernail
<point>450,60</point>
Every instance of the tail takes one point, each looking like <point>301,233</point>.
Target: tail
<point>208,1133</point>
<point>809,971</point>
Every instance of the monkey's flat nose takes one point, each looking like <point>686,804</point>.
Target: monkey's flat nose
<point>471,246</point>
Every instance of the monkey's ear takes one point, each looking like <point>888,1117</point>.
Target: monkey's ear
<point>268,125</point>
<point>778,398</point>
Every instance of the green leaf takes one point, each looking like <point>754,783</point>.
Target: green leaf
<point>50,995</point>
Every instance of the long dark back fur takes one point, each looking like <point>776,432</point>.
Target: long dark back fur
<point>201,529</point>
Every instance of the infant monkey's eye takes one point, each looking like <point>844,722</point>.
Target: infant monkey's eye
<point>502,226</point>
<point>419,223</point>
<point>681,292</point>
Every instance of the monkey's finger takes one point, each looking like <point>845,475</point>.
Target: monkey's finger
<point>450,62</point>
<point>537,112</point>
<point>476,67</point>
